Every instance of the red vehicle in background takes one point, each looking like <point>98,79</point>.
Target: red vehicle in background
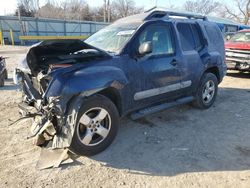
<point>238,51</point>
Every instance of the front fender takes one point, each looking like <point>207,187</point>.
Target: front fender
<point>87,81</point>
<point>94,78</point>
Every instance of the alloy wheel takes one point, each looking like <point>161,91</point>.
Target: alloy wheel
<point>94,126</point>
<point>208,91</point>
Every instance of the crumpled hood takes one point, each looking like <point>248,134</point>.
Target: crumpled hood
<point>53,52</point>
<point>237,45</point>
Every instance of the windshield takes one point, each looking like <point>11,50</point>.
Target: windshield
<point>113,38</point>
<point>241,37</point>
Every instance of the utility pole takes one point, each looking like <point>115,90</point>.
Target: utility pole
<point>21,24</point>
<point>104,11</point>
<point>109,11</point>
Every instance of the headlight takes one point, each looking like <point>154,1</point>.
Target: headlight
<point>23,66</point>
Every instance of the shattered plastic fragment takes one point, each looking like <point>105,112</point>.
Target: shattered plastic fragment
<point>53,158</point>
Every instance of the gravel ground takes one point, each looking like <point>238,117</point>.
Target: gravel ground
<point>180,147</point>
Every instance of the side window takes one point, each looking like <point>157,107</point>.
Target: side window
<point>197,36</point>
<point>186,37</point>
<point>161,38</point>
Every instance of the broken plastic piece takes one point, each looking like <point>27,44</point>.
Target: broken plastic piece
<point>53,158</point>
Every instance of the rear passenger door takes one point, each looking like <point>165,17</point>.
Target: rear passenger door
<point>192,44</point>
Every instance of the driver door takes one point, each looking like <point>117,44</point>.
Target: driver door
<point>161,75</point>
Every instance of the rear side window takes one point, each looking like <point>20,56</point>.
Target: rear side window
<point>197,36</point>
<point>190,35</point>
<point>185,32</point>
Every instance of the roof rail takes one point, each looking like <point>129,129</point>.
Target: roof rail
<point>166,14</point>
<point>186,15</point>
<point>155,7</point>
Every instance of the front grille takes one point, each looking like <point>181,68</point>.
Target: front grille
<point>241,56</point>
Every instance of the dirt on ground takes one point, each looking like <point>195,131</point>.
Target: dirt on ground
<point>179,147</point>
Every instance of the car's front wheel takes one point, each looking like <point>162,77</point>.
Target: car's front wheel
<point>207,91</point>
<point>96,126</point>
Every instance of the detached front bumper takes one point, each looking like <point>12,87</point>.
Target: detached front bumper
<point>52,132</point>
<point>50,123</point>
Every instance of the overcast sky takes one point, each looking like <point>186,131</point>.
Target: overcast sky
<point>9,6</point>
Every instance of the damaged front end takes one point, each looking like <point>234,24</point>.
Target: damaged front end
<point>42,75</point>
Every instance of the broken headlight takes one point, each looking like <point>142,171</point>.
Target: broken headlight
<point>23,66</point>
<point>17,78</point>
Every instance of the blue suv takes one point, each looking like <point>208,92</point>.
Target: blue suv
<point>78,90</point>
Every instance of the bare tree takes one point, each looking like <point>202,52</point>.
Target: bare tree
<point>50,11</point>
<point>123,8</point>
<point>202,6</point>
<point>27,7</point>
<point>240,12</point>
<point>70,10</point>
<point>76,9</point>
<point>31,5</point>
<point>80,10</point>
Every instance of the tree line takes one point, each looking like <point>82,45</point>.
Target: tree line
<point>111,10</point>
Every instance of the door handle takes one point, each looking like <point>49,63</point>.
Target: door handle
<point>173,62</point>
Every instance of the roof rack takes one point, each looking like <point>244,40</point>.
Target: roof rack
<point>166,14</point>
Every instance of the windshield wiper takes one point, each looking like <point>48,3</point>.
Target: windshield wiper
<point>110,52</point>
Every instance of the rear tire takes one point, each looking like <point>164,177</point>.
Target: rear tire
<point>96,126</point>
<point>207,91</point>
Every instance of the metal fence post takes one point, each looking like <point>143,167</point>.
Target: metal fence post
<point>1,37</point>
<point>64,25</point>
<point>11,37</point>
<point>21,25</point>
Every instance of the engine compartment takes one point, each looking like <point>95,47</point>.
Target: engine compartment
<point>52,54</point>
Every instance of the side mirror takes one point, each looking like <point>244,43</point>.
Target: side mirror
<point>145,48</point>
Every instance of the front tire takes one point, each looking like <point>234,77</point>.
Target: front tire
<point>207,91</point>
<point>96,126</point>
